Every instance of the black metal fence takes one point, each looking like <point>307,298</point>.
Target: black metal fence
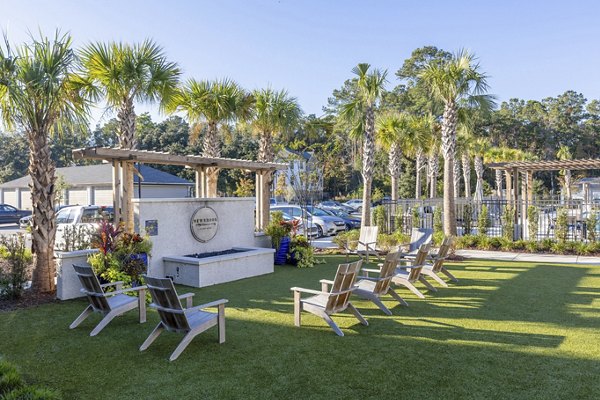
<point>535,219</point>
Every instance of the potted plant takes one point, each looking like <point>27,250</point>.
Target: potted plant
<point>301,253</point>
<point>121,257</point>
<point>279,230</point>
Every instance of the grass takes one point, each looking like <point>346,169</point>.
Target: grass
<point>506,330</point>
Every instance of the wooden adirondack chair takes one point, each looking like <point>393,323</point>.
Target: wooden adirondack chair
<point>366,244</point>
<point>437,266</point>
<point>174,318</point>
<point>407,275</point>
<point>109,304</point>
<point>374,288</point>
<point>418,237</point>
<point>324,303</point>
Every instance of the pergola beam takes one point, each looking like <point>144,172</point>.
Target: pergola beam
<point>551,165</point>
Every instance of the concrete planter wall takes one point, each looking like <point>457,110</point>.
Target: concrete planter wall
<point>67,283</point>
<point>200,272</point>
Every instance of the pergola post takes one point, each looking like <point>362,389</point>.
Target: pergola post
<point>515,199</point>
<point>201,183</point>
<point>266,198</point>
<point>524,204</point>
<point>116,189</point>
<point>259,201</point>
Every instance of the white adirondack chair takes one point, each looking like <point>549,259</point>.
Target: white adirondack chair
<point>375,288</point>
<point>408,275</point>
<point>174,318</point>
<point>437,265</point>
<point>366,244</point>
<point>109,304</point>
<point>324,303</point>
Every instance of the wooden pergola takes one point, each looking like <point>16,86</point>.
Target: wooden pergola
<point>122,159</point>
<point>512,169</point>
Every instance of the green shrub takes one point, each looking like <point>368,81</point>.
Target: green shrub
<point>386,242</point>
<point>561,228</point>
<point>485,243</point>
<point>416,219</point>
<point>401,237</point>
<point>17,265</point>
<point>519,245</point>
<point>13,387</point>
<point>379,217</point>
<point>483,220</point>
<point>532,246</point>
<point>545,245</point>
<point>302,252</point>
<point>399,220</point>
<point>438,223</point>
<point>496,243</point>
<point>533,215</point>
<point>508,222</point>
<point>590,223</point>
<point>564,247</point>
<point>438,238</point>
<point>349,238</point>
<point>467,219</point>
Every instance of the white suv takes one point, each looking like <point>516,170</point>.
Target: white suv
<point>326,224</point>
<point>85,218</point>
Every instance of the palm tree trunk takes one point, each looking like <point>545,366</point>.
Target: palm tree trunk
<point>567,184</point>
<point>479,174</point>
<point>211,148</point>
<point>126,119</point>
<point>456,178</point>
<point>395,168</point>
<point>498,174</point>
<point>368,164</point>
<point>466,166</point>
<point>420,161</point>
<point>266,154</point>
<point>449,120</point>
<point>433,163</point>
<point>41,170</point>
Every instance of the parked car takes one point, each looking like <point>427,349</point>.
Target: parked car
<point>329,205</point>
<point>11,215</point>
<point>352,221</point>
<point>312,231</point>
<point>27,221</point>
<point>273,201</point>
<point>80,216</point>
<point>326,224</point>
<point>356,204</point>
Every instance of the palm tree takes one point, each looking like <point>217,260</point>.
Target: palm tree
<point>480,148</point>
<point>126,74</point>
<point>433,164</point>
<point>41,93</point>
<point>465,150</point>
<point>360,110</point>
<point>398,133</point>
<point>563,154</point>
<point>274,113</point>
<point>451,82</point>
<point>212,103</point>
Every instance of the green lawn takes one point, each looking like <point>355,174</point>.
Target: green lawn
<point>505,331</point>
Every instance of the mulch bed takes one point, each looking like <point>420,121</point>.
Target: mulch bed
<point>29,299</point>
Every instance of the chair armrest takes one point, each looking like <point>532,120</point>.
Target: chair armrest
<point>211,304</point>
<point>133,289</point>
<point>371,270</point>
<point>309,291</point>
<point>325,284</point>
<point>188,297</point>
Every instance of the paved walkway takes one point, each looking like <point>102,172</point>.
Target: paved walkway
<point>528,257</point>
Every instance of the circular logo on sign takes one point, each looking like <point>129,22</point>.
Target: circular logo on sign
<point>204,224</point>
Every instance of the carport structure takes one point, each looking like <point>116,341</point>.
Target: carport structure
<point>124,159</point>
<point>525,169</point>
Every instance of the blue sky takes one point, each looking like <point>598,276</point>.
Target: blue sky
<point>531,49</point>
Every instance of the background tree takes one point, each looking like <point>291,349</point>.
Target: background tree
<point>214,104</point>
<point>360,111</point>
<point>450,83</point>
<point>41,94</point>
<point>126,74</point>
<point>275,112</point>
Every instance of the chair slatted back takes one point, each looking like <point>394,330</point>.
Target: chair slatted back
<point>368,236</point>
<point>387,273</point>
<point>418,237</point>
<point>343,285</point>
<point>92,288</point>
<point>442,254</point>
<point>166,302</point>
<point>419,262</point>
